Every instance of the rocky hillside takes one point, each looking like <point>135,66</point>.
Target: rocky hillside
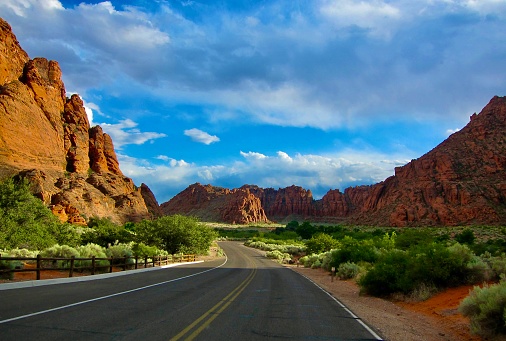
<point>209,203</point>
<point>461,181</point>
<point>46,138</point>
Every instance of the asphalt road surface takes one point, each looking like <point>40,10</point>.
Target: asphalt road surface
<point>242,297</point>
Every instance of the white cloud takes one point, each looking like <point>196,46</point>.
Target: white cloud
<point>451,131</point>
<point>125,132</point>
<point>253,155</point>
<point>375,15</point>
<point>201,136</point>
<point>316,172</point>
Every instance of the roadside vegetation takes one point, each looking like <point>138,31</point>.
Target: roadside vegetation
<point>28,228</point>
<point>403,263</point>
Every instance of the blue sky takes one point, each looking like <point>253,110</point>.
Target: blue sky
<point>323,94</point>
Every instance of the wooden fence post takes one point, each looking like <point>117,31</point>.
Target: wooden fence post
<point>38,266</point>
<point>92,265</point>
<point>136,261</point>
<point>71,271</point>
<point>110,264</point>
<point>145,261</point>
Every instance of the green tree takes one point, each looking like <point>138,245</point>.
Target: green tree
<point>176,234</point>
<point>104,232</point>
<point>305,230</point>
<point>25,222</point>
<point>321,242</point>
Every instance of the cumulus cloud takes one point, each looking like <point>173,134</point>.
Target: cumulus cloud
<point>201,136</point>
<point>316,172</point>
<point>125,132</point>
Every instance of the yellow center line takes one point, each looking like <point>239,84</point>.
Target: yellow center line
<point>215,310</point>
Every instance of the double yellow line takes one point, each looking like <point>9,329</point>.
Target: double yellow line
<point>209,316</point>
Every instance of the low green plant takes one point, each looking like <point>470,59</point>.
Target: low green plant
<point>486,309</point>
<point>9,265</point>
<point>59,251</point>
<point>348,270</point>
<point>278,256</point>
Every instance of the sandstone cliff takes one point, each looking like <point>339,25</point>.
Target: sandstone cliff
<point>46,137</point>
<point>461,181</point>
<point>209,203</point>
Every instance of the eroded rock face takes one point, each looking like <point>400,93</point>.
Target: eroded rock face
<point>46,138</point>
<point>209,203</point>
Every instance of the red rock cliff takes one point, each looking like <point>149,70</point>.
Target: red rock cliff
<point>46,137</point>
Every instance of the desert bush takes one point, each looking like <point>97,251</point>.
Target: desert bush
<point>278,256</point>
<point>354,251</point>
<point>486,309</point>
<point>388,275</point>
<point>22,253</point>
<point>142,250</point>
<point>348,270</point>
<point>59,251</point>
<point>9,265</point>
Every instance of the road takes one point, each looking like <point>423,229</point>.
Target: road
<point>242,297</point>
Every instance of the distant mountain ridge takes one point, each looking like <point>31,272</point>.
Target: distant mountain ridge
<point>461,181</point>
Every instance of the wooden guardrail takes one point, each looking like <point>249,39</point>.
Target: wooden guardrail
<point>92,264</point>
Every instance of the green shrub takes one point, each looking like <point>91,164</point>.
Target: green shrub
<point>486,309</point>
<point>278,256</point>
<point>142,250</point>
<point>9,265</point>
<point>88,251</point>
<point>348,270</point>
<point>388,275</point>
<point>59,251</point>
<point>354,251</point>
<point>321,242</point>
<point>465,237</point>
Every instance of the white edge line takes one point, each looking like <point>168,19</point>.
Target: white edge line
<point>358,319</point>
<point>111,295</point>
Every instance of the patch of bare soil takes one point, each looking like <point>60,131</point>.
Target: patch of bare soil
<point>434,319</point>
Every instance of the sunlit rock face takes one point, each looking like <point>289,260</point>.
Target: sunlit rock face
<point>46,138</point>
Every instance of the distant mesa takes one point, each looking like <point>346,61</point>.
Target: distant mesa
<point>46,137</point>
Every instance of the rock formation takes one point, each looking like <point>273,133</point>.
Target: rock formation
<point>209,203</point>
<point>46,138</point>
<point>461,181</point>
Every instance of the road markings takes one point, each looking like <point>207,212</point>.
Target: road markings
<point>215,311</point>
<point>109,296</point>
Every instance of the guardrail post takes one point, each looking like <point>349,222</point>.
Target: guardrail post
<point>38,266</point>
<point>92,265</point>
<point>71,271</point>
